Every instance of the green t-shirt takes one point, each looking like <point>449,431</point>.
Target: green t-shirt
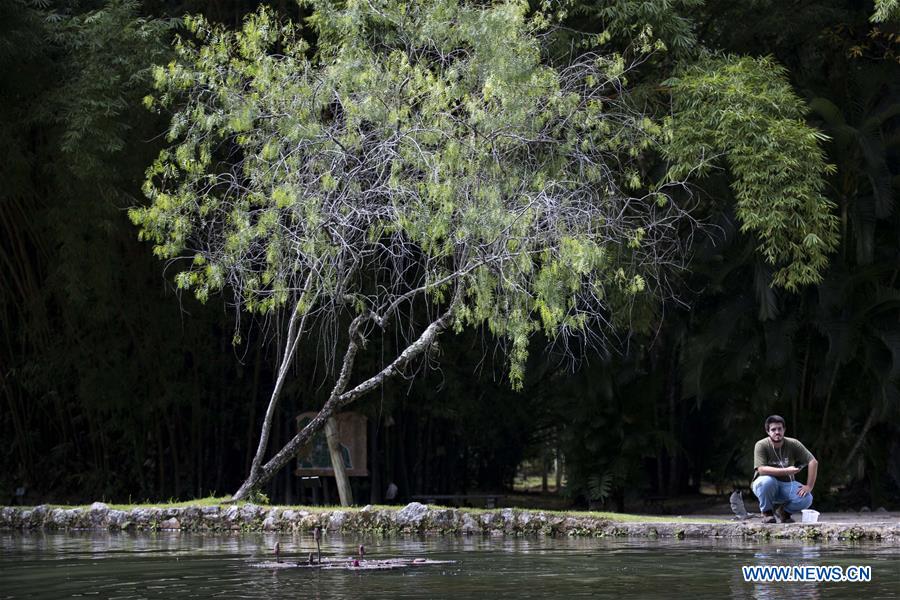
<point>791,454</point>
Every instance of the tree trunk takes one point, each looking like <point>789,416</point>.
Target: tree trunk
<point>401,435</point>
<point>559,469</point>
<point>293,339</point>
<point>824,423</point>
<point>220,414</point>
<point>338,400</point>
<point>160,460</point>
<point>290,488</point>
<point>804,374</point>
<point>140,451</point>
<point>173,446</point>
<point>21,439</point>
<point>673,421</point>
<point>545,468</point>
<point>337,463</point>
<point>375,462</point>
<point>251,422</point>
<point>196,434</point>
<point>860,438</point>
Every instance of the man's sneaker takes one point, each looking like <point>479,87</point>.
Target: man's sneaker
<point>783,515</point>
<point>768,517</point>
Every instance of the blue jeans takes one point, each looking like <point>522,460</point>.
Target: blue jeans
<point>772,492</point>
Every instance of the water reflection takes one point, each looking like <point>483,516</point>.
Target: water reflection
<point>182,565</point>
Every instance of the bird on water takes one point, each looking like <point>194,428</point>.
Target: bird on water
<point>317,535</point>
<point>360,555</point>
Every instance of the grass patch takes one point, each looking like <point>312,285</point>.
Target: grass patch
<point>208,501</point>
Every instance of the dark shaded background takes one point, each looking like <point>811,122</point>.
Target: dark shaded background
<point>114,387</point>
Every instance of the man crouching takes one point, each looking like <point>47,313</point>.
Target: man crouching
<point>776,459</point>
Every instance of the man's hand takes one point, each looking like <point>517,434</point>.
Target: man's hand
<point>804,490</point>
<point>791,471</point>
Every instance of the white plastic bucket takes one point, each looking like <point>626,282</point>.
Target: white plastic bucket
<point>809,516</point>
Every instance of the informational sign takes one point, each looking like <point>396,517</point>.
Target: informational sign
<point>314,459</point>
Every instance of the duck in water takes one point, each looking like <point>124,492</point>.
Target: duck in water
<point>353,562</point>
<point>317,535</point>
<point>311,559</point>
<point>361,553</point>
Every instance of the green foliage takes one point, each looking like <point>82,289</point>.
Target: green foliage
<point>258,497</point>
<point>657,24</point>
<point>745,110</point>
<point>886,10</point>
<point>432,131</point>
<point>115,50</point>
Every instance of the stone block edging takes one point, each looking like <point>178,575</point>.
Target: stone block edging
<point>415,518</point>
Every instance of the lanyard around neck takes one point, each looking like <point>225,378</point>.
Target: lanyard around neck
<point>779,455</point>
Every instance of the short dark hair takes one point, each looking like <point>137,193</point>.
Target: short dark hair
<point>774,419</point>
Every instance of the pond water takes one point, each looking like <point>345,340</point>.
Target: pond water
<point>36,566</point>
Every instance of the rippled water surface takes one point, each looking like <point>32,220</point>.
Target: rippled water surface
<point>36,566</point>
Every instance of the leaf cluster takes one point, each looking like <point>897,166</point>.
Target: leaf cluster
<point>742,109</point>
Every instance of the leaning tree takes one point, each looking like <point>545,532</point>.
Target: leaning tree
<point>426,168</point>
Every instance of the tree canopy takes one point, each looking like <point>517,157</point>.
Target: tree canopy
<point>415,154</point>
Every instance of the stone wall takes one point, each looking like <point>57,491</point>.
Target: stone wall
<point>419,519</point>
